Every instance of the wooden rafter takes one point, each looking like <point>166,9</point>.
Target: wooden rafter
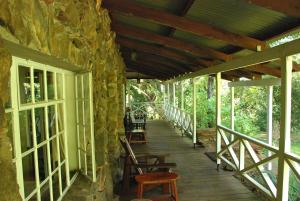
<point>146,70</point>
<point>187,5</point>
<point>188,25</point>
<point>167,65</point>
<point>288,7</point>
<point>190,48</point>
<point>151,49</point>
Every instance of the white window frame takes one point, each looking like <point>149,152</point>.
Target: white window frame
<point>81,101</point>
<point>14,110</point>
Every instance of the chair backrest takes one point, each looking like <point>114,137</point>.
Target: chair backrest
<point>130,152</point>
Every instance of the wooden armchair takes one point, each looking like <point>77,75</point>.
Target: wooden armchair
<point>141,163</point>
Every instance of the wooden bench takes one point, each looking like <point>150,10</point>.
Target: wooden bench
<point>167,179</point>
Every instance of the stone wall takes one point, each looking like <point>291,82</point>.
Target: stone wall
<point>79,33</point>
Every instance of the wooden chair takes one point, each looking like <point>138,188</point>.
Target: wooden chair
<point>141,163</point>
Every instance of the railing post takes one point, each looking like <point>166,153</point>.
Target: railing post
<point>218,116</point>
<point>174,94</point>
<point>194,113</point>
<point>269,122</point>
<point>182,95</point>
<point>168,94</point>
<point>285,128</point>
<point>232,112</point>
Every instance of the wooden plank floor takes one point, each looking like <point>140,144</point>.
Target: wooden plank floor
<point>199,179</point>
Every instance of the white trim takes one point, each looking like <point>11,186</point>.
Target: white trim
<point>250,83</point>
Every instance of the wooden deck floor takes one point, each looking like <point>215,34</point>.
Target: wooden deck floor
<point>199,179</point>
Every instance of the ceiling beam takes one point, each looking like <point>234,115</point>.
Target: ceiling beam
<point>190,48</point>
<point>181,23</point>
<point>288,7</point>
<point>153,67</point>
<point>192,63</point>
<point>152,49</point>
<point>187,5</point>
<point>146,71</point>
<point>155,59</point>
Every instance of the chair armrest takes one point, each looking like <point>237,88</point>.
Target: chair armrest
<point>150,156</point>
<point>160,165</point>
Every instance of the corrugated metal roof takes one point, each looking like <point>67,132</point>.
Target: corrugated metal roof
<point>140,23</point>
<point>240,17</point>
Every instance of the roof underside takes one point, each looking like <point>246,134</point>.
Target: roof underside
<point>157,44</point>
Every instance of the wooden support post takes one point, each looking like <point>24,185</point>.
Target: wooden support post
<point>218,115</point>
<point>168,94</point>
<point>194,113</point>
<point>182,95</point>
<point>285,128</point>
<point>232,112</point>
<point>174,94</point>
<point>269,122</point>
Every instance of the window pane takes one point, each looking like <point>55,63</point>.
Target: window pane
<point>59,82</point>
<point>51,121</point>
<point>79,87</point>
<point>63,177</point>
<point>40,125</point>
<point>25,84</point>
<point>50,86</point>
<point>86,87</point>
<point>55,186</point>
<point>39,90</point>
<point>26,130</point>
<point>60,113</point>
<point>29,174</point>
<point>33,198</point>
<point>45,192</point>
<point>54,153</point>
<point>62,147</point>
<point>43,163</point>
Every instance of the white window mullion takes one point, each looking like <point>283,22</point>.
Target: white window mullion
<point>36,164</point>
<point>65,132</point>
<point>83,123</point>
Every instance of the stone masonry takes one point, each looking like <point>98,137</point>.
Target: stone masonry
<point>77,31</point>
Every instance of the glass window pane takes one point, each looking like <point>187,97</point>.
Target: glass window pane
<point>45,192</point>
<point>33,198</point>
<point>62,147</point>
<point>60,113</point>
<point>25,84</point>
<point>40,125</point>
<point>80,112</point>
<point>51,121</point>
<point>86,86</point>
<point>39,90</point>
<point>29,174</point>
<point>55,186</point>
<point>43,163</point>
<point>59,82</point>
<point>79,86</point>
<point>63,177</point>
<point>54,153</point>
<point>50,86</point>
<point>26,130</point>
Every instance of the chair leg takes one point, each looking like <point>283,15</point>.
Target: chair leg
<point>140,191</point>
<point>174,191</point>
<point>166,188</point>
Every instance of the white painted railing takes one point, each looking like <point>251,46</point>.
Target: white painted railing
<point>239,152</point>
<point>180,118</point>
<point>152,110</point>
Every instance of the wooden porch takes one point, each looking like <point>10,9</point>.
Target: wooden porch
<point>199,179</point>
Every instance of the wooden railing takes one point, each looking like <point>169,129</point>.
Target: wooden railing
<point>152,110</point>
<point>180,118</point>
<point>240,152</point>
